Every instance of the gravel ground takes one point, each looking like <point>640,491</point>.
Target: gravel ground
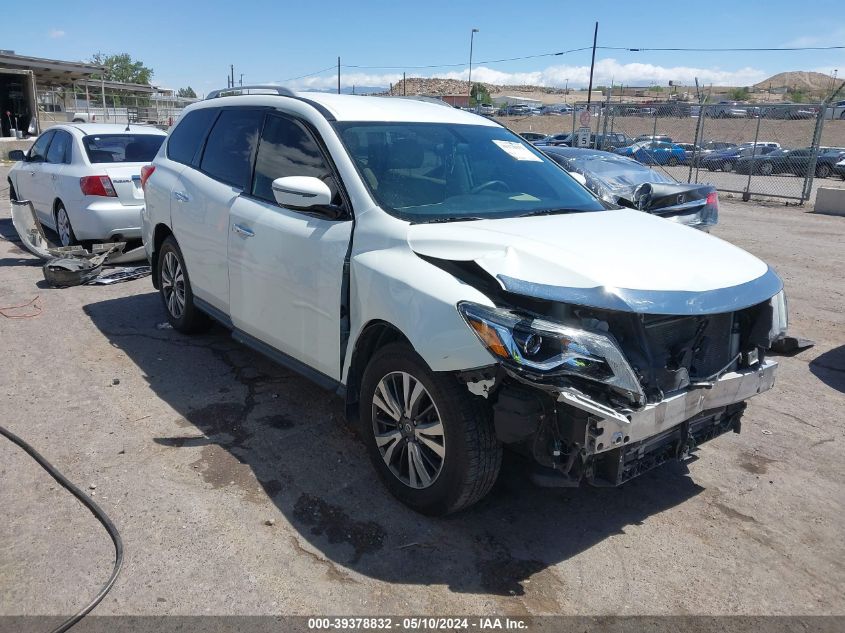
<point>194,444</point>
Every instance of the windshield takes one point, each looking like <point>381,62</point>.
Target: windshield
<point>122,148</point>
<point>426,172</point>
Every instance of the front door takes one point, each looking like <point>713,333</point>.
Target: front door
<point>286,267</point>
<point>31,185</point>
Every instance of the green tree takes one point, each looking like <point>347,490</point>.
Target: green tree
<point>738,94</point>
<point>188,93</point>
<point>796,95</point>
<point>122,68</point>
<point>479,94</point>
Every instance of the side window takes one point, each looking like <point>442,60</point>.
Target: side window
<point>288,149</point>
<point>186,137</point>
<point>229,149</point>
<point>59,151</point>
<point>39,151</point>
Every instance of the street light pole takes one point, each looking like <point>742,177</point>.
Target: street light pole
<point>471,37</point>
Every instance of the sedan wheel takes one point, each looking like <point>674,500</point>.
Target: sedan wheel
<point>673,161</point>
<point>63,227</point>
<point>766,169</point>
<point>727,166</point>
<point>823,171</point>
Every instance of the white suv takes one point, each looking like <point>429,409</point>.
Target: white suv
<point>459,289</point>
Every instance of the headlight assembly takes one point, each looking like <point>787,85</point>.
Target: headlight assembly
<point>546,349</point>
<point>780,319</point>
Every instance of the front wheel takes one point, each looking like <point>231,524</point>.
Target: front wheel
<point>432,443</point>
<point>673,162</point>
<point>767,169</point>
<point>823,171</point>
<point>175,290</point>
<point>727,166</point>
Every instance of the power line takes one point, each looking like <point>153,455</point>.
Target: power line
<point>316,72</point>
<point>487,61</point>
<point>723,50</point>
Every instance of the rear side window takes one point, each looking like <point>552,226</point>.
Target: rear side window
<point>121,148</point>
<point>287,149</point>
<point>59,151</point>
<point>230,146</point>
<point>187,136</point>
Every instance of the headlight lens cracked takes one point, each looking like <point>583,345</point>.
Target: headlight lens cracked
<point>550,349</point>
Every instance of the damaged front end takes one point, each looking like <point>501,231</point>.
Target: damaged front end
<point>603,393</point>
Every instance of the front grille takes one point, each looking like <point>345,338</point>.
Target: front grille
<point>698,346</point>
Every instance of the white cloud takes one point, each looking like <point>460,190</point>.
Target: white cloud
<point>556,76</point>
<point>832,38</point>
<point>56,33</point>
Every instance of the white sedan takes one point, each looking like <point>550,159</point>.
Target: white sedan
<point>84,180</point>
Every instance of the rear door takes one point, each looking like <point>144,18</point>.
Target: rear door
<point>202,198</point>
<point>285,266</point>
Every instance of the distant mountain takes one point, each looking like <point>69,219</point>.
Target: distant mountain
<point>801,80</point>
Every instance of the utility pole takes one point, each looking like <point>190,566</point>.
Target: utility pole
<point>338,75</point>
<point>241,80</point>
<point>404,90</point>
<point>592,67</point>
<point>232,75</point>
<point>471,37</point>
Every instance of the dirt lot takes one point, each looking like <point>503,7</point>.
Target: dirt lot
<point>193,443</point>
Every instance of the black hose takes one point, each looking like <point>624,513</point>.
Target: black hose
<point>95,510</point>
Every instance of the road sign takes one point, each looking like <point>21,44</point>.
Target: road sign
<point>583,137</point>
<point>586,118</point>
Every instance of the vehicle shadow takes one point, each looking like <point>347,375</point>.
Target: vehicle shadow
<point>253,420</point>
<point>830,368</point>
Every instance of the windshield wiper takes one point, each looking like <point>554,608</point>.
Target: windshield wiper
<point>550,212</point>
<point>450,219</point>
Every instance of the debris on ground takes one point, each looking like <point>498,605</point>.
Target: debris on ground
<point>791,345</point>
<point>121,274</point>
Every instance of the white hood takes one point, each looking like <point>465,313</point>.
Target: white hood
<point>643,262</point>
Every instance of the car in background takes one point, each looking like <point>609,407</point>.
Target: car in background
<point>790,161</point>
<point>485,109</point>
<point>715,146</point>
<point>654,153</point>
<point>557,109</point>
<point>84,180</point>
<point>835,111</point>
<point>628,183</point>
<point>770,144</point>
<point>653,137</point>
<point>839,169</point>
<point>728,110</point>
<point>726,159</point>
<point>533,136</point>
<point>518,109</point>
<point>691,152</point>
<point>612,141</point>
<point>564,138</point>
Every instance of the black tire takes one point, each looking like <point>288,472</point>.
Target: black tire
<point>711,167</point>
<point>727,166</point>
<point>171,282</point>
<point>766,169</point>
<point>824,170</point>
<point>673,162</point>
<point>64,229</point>
<point>472,453</point>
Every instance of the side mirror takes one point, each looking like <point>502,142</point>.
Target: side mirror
<point>579,177</point>
<point>307,194</point>
<point>301,192</point>
<point>17,155</point>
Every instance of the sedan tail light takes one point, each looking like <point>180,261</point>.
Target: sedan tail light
<point>713,199</point>
<point>146,172</point>
<point>97,186</point>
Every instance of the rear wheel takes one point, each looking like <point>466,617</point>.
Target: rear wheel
<point>823,170</point>
<point>672,161</point>
<point>766,169</point>
<point>63,227</point>
<point>175,290</point>
<point>727,166</point>
<point>432,443</point>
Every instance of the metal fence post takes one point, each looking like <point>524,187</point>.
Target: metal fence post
<point>572,136</point>
<point>807,190</point>
<point>747,195</point>
<point>696,154</point>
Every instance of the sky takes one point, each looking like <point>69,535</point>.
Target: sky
<point>193,43</point>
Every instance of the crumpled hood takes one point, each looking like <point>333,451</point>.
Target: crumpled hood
<point>623,259</point>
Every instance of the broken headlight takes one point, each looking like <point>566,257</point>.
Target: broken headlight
<point>780,319</point>
<point>547,349</point>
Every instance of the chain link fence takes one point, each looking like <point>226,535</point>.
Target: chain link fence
<point>767,150</point>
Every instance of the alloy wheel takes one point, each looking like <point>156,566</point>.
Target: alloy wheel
<point>173,284</point>
<point>63,227</point>
<point>408,430</point>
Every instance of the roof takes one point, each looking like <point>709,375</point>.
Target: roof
<point>49,69</point>
<point>107,128</point>
<point>359,108</point>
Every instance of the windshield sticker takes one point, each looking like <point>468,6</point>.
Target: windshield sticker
<point>517,150</point>
<point>524,197</point>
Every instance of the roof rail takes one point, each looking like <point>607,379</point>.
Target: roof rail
<point>242,90</point>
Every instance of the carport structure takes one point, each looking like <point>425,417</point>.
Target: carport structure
<point>21,77</point>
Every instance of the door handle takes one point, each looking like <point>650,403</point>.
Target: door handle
<point>181,196</point>
<point>242,230</point>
